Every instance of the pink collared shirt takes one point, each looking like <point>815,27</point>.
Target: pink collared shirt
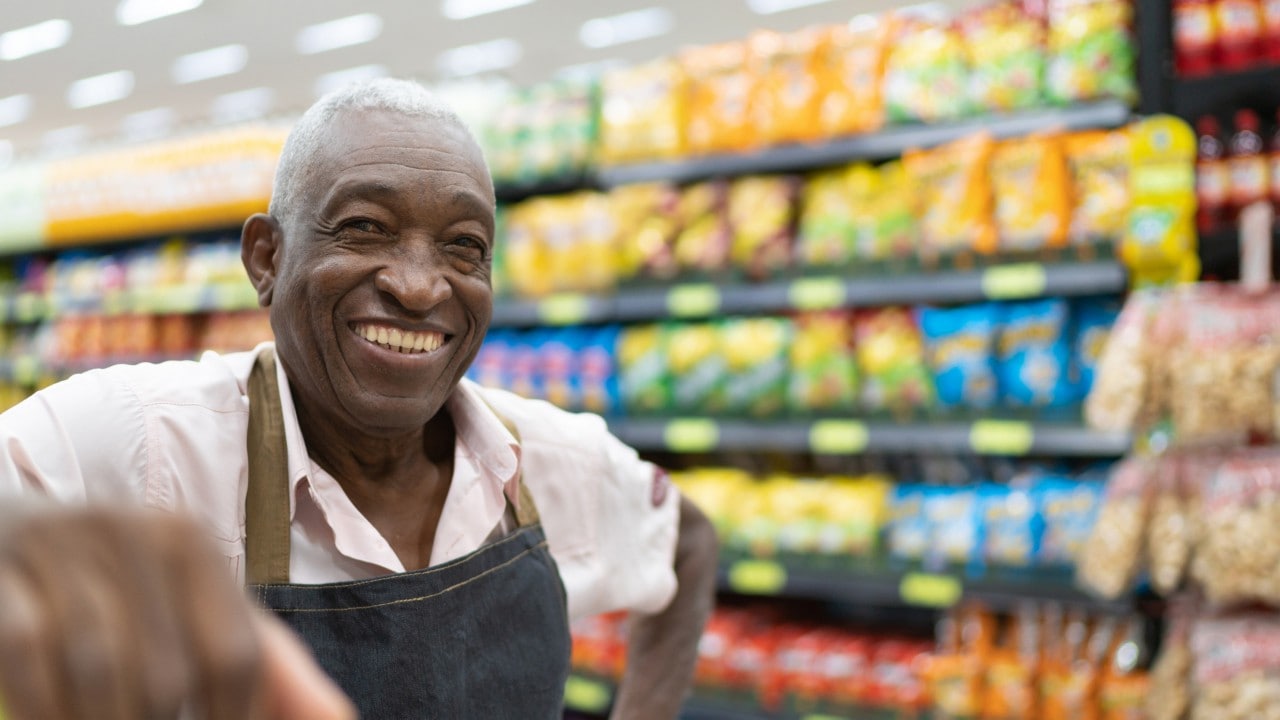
<point>173,436</point>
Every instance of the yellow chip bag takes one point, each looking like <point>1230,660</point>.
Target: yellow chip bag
<point>851,62</point>
<point>1099,162</point>
<point>642,112</point>
<point>1029,180</point>
<point>722,98</point>
<point>789,95</point>
<point>953,190</point>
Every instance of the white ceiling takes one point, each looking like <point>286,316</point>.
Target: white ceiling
<point>413,36</point>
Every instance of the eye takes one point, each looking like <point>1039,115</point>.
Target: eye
<point>472,244</point>
<point>362,225</point>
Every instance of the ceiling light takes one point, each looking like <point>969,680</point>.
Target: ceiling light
<point>463,9</point>
<point>33,39</point>
<point>136,12</point>
<point>339,33</point>
<point>242,105</point>
<point>216,62</point>
<point>479,58</point>
<point>769,7</point>
<point>329,82</point>
<point>100,89</point>
<point>14,109</point>
<point>627,27</point>
<point>149,124</point>
<point>65,141</point>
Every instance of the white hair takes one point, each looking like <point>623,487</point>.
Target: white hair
<point>303,146</point>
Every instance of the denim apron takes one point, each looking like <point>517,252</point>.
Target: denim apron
<point>485,636</point>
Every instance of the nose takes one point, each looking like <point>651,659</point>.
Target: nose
<point>414,282</point>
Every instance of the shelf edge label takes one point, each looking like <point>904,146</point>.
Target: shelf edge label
<point>757,577</point>
<point>564,309</point>
<point>693,300</point>
<point>930,590</point>
<point>838,437</point>
<point>691,435</point>
<point>818,293</point>
<point>1001,437</point>
<point>1014,282</point>
<point>586,695</point>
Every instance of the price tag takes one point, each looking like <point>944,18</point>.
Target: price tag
<point>567,309</point>
<point>697,300</point>
<point>930,590</point>
<point>691,435</point>
<point>27,308</point>
<point>817,293</point>
<point>838,437</point>
<point>757,577</point>
<point>1012,282</point>
<point>26,370</point>
<point>1001,437</point>
<point>585,695</point>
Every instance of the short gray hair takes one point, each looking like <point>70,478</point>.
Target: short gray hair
<point>305,140</point>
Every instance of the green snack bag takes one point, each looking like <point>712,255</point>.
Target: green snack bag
<point>643,369</point>
<point>1091,52</point>
<point>824,373</point>
<point>756,352</point>
<point>698,368</point>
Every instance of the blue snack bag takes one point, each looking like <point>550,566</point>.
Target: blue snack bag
<point>525,378</point>
<point>1069,508</point>
<point>1012,523</point>
<point>960,347</point>
<point>558,368</point>
<point>908,535</point>
<point>491,366</point>
<point>1094,319</point>
<point>955,523</point>
<point>1035,355</point>
<point>598,376</point>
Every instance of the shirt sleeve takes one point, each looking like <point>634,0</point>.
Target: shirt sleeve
<point>80,440</point>
<point>611,518</point>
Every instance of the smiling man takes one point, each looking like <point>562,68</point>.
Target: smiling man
<point>427,538</point>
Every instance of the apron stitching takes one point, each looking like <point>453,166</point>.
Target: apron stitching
<point>405,601</point>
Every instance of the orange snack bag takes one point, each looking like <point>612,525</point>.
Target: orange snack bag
<point>953,188</point>
<point>1010,692</point>
<point>642,115</point>
<point>1099,165</point>
<point>1029,182</point>
<point>789,92</point>
<point>722,96</point>
<point>955,673</point>
<point>851,63</point>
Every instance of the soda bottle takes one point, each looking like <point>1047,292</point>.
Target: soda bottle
<point>1275,165</point>
<point>1195,36</point>
<point>1248,161</point>
<point>1239,33</point>
<point>1271,30</point>
<point>1213,179</point>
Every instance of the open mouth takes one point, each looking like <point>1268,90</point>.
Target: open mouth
<point>405,342</point>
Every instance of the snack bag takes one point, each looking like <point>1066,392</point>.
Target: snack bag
<point>756,351</point>
<point>828,219</point>
<point>1070,512</point>
<point>1091,51</point>
<point>855,511</point>
<point>891,356</point>
<point>1035,355</point>
<point>698,368</point>
<point>643,370</point>
<point>558,368</point>
<point>598,378</point>
<point>824,371</point>
<point>722,92</point>
<point>1169,536</point>
<point>1099,163</point>
<point>1170,695</point>
<point>648,221</point>
<point>787,68</point>
<point>886,201</point>
<point>1070,679</point>
<point>961,343</point>
<point>642,112</point>
<point>1009,692</point>
<point>955,518</point>
<point>909,535</point>
<point>1012,525</point>
<point>1159,240</point>
<point>1124,688</point>
<point>1006,50</point>
<point>527,255</point>
<point>1122,378</point>
<point>704,243</point>
<point>851,62</point>
<point>597,266</point>
<point>1114,552</point>
<point>1032,204</point>
<point>1236,557</point>
<point>762,218</point>
<point>926,73</point>
<point>526,367</point>
<point>953,191</point>
<point>1236,671</point>
<point>1094,319</point>
<point>964,639</point>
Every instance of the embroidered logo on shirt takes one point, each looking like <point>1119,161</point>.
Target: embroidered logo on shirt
<point>661,486</point>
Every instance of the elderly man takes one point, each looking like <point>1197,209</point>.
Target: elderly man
<point>429,540</point>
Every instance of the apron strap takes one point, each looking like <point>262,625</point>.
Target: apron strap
<point>526,511</point>
<point>267,501</point>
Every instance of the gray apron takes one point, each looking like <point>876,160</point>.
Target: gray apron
<point>484,636</point>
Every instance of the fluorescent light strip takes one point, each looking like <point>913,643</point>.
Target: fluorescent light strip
<point>479,58</point>
<point>32,39</point>
<point>136,12</point>
<point>14,109</point>
<point>242,105</point>
<point>340,33</point>
<point>463,9</point>
<point>100,89</point>
<point>329,82</point>
<point>769,7</point>
<point>212,63</point>
<point>627,27</point>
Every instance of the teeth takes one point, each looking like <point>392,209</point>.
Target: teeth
<point>419,341</point>
<point>384,337</point>
<point>401,341</point>
<point>394,337</point>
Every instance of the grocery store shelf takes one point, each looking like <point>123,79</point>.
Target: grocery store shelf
<point>27,307</point>
<point>1021,280</point>
<point>1223,94</point>
<point>995,437</point>
<point>887,583</point>
<point>513,192</point>
<point>888,143</point>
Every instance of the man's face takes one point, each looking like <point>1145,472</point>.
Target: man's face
<point>383,296</point>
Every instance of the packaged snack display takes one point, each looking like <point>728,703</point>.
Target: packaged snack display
<point>824,373</point>
<point>1035,368</point>
<point>1069,508</point>
<point>1236,667</point>
<point>1091,51</point>
<point>642,112</point>
<point>1170,695</point>
<point>1122,377</point>
<point>705,242</point>
<point>955,517</point>
<point>890,225</point>
<point>964,637</point>
<point>926,72</point>
<point>1159,242</point>
<point>1030,183</point>
<point>1006,48</point>
<point>1115,549</point>
<point>829,218</point>
<point>698,367</point>
<point>1010,687</point>
<point>789,96</point>
<point>644,377</point>
<point>525,252</point>
<point>1012,525</point>
<point>961,347</point>
<point>648,221</point>
<point>954,195</point>
<point>855,512</point>
<point>1094,319</point>
<point>722,96</point>
<point>909,533</point>
<point>1099,166</point>
<point>851,62</point>
<point>1175,517</point>
<point>761,214</point>
<point>756,352</point>
<point>597,371</point>
<point>891,356</point>
<point>1238,549</point>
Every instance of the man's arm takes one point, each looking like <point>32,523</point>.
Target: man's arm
<point>664,647</point>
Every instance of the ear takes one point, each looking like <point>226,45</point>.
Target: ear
<point>260,244</point>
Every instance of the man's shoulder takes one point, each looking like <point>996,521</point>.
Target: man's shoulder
<point>214,382</point>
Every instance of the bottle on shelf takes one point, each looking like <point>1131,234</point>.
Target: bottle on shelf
<point>1195,36</point>
<point>1248,162</point>
<point>1239,33</point>
<point>1271,30</point>
<point>1274,161</point>
<point>1213,178</point>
